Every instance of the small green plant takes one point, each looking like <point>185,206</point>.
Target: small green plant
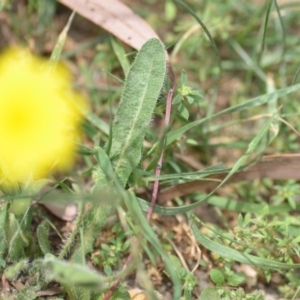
<point>188,279</point>
<point>226,276</point>
<point>211,293</point>
<point>111,253</point>
<point>186,97</point>
<point>287,192</point>
<point>290,290</point>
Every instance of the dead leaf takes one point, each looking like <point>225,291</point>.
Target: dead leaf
<point>5,284</point>
<point>116,18</point>
<point>64,211</point>
<point>50,292</point>
<point>137,294</point>
<point>278,167</point>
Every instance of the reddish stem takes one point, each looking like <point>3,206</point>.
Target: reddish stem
<point>160,161</point>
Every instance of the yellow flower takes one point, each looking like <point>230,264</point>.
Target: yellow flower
<point>40,117</point>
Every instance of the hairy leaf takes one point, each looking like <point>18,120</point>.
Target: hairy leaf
<point>142,89</point>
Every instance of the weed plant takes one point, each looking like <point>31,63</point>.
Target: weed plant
<point>236,65</point>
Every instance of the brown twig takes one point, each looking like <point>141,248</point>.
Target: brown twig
<point>276,167</point>
<point>116,283</point>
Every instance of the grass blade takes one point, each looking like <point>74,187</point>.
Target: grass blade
<point>215,48</point>
<point>265,29</point>
<point>235,255</point>
<point>257,101</point>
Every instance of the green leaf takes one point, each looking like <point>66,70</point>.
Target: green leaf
<point>240,220</point>
<point>264,211</point>
<point>268,12</point>
<point>43,237</point>
<point>292,202</point>
<point>71,273</point>
<point>97,122</point>
<point>14,270</point>
<point>169,210</point>
<point>217,277</point>
<point>183,77</point>
<point>141,91</point>
<point>170,10</point>
<point>177,99</point>
<point>190,99</point>
<point>18,241</point>
<point>247,59</point>
<point>4,224</point>
<point>121,55</point>
<point>209,293</point>
<point>190,175</point>
<point>183,111</point>
<point>55,55</point>
<point>236,279</point>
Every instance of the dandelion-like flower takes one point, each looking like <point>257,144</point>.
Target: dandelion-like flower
<point>40,117</point>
